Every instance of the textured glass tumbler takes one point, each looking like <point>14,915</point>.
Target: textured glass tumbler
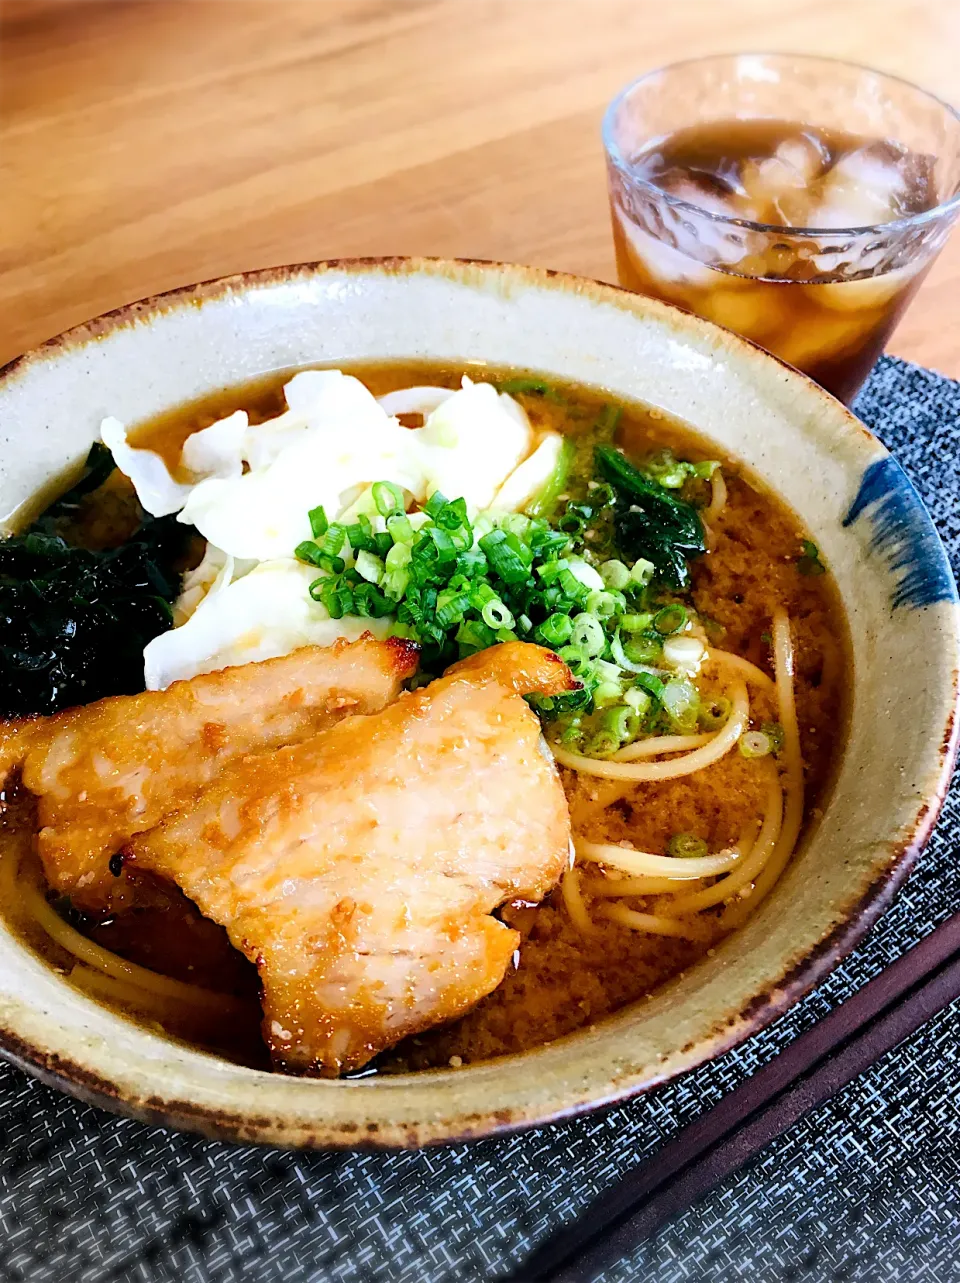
<point>825,300</point>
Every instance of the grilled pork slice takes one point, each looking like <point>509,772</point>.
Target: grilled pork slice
<point>108,770</point>
<point>359,868</point>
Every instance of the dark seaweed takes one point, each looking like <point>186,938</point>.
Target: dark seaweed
<point>651,522</point>
<point>74,622</point>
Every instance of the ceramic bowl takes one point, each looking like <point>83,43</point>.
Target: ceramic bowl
<point>875,535</point>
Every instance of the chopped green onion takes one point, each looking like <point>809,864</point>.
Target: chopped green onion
<point>572,656</point>
<point>621,720</point>
<point>435,505</point>
<point>453,515</point>
<point>641,572</point>
<point>706,468</point>
<point>515,523</point>
<point>473,636</point>
<point>369,567</point>
<point>399,629</point>
<point>369,601</point>
<point>686,846</point>
<point>606,693</point>
<point>458,583</point>
<point>670,619</point>
<point>451,607</point>
<point>400,529</point>
<point>809,563</point>
<point>602,494</point>
<point>606,604</point>
<point>607,672</point>
<point>650,683</point>
<point>572,587</point>
<point>615,574</point>
<point>681,703</point>
<point>582,510</point>
<point>471,562</point>
<point>774,732</point>
<point>645,649</point>
<point>480,593</point>
<point>624,658</point>
<point>360,535</point>
<point>714,714</point>
<point>555,630</point>
<point>545,543</point>
<point>683,653</point>
<point>396,575</point>
<point>755,744</point>
<point>602,744</point>
<point>504,557</point>
<point>638,700</point>
<point>588,634</point>
<point>388,498</point>
<point>496,615</point>
<point>433,551</point>
<point>571,736</point>
<point>308,552</point>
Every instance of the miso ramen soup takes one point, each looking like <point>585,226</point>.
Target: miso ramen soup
<point>695,742</point>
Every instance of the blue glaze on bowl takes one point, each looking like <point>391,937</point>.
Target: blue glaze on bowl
<point>903,534</point>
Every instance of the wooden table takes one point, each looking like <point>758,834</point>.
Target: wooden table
<point>149,143</point>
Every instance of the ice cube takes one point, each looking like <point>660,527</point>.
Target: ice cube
<point>872,292</point>
<point>660,261</point>
<point>812,341</point>
<point>778,188</point>
<point>700,189</point>
<point>872,185</point>
<point>750,312</point>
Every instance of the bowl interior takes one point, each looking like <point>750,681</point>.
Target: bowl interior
<point>873,532</point>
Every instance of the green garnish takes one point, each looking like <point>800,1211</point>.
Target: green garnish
<point>530,387</point>
<point>774,733</point>
<point>670,619</point>
<point>457,583</point>
<point>318,521</point>
<point>714,713</point>
<point>809,563</point>
<point>556,483</point>
<point>686,846</point>
<point>672,473</point>
<point>650,522</point>
<point>75,620</point>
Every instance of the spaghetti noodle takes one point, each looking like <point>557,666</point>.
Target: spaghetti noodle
<point>707,754</point>
<point>744,874</point>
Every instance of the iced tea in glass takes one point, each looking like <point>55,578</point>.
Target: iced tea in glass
<point>798,201</point>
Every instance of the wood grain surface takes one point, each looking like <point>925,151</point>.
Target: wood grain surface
<point>146,144</point>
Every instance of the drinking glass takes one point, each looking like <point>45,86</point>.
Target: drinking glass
<point>823,299</point>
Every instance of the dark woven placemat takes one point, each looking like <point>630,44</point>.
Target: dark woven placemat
<point>865,1188</point>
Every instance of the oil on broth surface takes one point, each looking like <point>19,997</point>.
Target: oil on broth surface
<point>564,979</point>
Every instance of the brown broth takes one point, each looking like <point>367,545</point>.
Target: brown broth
<point>564,980</point>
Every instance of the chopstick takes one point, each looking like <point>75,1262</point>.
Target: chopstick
<point>811,1070</point>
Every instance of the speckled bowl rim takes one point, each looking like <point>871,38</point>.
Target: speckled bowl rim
<point>859,915</point>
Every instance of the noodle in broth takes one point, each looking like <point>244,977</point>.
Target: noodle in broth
<point>626,917</point>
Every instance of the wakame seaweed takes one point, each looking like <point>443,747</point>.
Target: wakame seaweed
<point>73,621</point>
<point>649,521</point>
